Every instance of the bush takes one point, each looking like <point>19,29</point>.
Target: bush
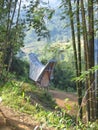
<point>21,68</point>
<point>63,77</point>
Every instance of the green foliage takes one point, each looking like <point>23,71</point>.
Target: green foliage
<point>10,76</point>
<point>85,74</point>
<point>1,61</point>
<point>20,68</point>
<point>41,97</point>
<point>25,93</point>
<point>11,33</point>
<point>37,15</point>
<point>62,77</point>
<point>88,126</point>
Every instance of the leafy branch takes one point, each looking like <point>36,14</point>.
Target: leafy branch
<point>85,74</point>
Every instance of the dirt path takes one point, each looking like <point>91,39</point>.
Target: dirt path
<point>61,96</point>
<point>11,120</point>
<point>65,100</point>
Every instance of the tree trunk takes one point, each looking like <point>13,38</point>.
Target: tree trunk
<point>97,80</point>
<point>91,52</point>
<point>86,53</point>
<point>79,89</point>
<point>75,56</point>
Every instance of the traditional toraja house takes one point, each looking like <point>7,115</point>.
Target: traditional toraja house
<point>39,73</point>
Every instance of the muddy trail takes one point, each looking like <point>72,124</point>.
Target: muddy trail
<point>12,120</point>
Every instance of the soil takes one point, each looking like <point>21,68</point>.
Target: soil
<point>66,100</point>
<point>12,120</point>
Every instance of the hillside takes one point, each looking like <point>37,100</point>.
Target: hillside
<point>26,107</point>
<point>12,118</point>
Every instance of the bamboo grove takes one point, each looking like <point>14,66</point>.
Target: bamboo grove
<point>82,15</point>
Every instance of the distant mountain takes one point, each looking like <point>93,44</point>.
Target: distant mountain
<point>55,27</point>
